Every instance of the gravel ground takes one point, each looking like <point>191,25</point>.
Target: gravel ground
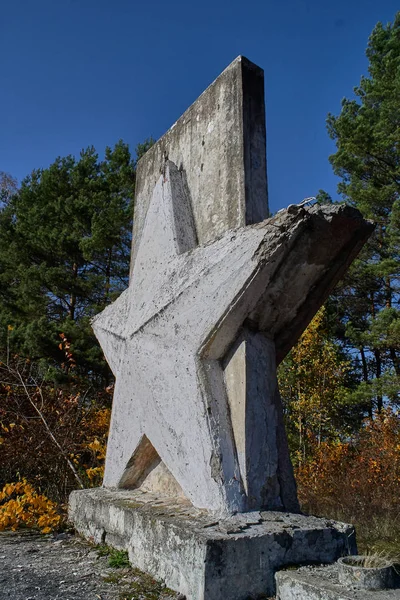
<point>64,567</point>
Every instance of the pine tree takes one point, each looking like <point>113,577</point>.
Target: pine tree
<point>65,241</point>
<point>367,136</point>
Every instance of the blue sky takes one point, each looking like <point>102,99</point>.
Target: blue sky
<point>89,72</point>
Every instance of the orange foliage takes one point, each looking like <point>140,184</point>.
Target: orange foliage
<point>358,478</point>
<point>50,437</point>
<point>312,385</point>
<point>20,504</point>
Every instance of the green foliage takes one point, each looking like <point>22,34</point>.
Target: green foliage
<point>136,584</point>
<point>323,197</point>
<point>118,559</point>
<point>367,130</point>
<point>146,587</point>
<point>142,148</point>
<point>65,240</point>
<point>314,381</point>
<point>367,135</point>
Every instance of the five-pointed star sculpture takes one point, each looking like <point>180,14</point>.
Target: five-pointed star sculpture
<point>165,339</point>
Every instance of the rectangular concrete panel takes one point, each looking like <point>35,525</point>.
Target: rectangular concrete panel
<point>251,385</point>
<point>203,557</point>
<point>219,144</point>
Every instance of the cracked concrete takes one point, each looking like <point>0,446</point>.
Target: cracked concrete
<point>234,557</point>
<point>193,344</point>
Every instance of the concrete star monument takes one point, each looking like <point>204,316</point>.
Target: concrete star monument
<point>166,339</point>
<point>218,295</point>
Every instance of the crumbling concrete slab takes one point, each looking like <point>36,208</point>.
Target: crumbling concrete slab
<point>322,583</point>
<point>205,558</point>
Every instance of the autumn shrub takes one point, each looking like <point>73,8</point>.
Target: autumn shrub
<point>21,505</point>
<point>312,382</point>
<point>358,480</point>
<point>53,439</point>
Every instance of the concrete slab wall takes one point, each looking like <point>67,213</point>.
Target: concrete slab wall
<point>219,143</point>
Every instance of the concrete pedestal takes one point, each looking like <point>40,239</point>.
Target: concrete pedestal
<point>199,555</point>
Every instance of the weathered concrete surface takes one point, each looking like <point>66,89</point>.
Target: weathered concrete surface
<point>219,145</point>
<point>217,296</point>
<point>168,337</point>
<point>352,572</point>
<point>322,583</point>
<point>65,567</point>
<point>204,558</point>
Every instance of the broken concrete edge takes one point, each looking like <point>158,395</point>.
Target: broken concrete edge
<point>322,583</point>
<point>200,556</point>
<point>361,229</point>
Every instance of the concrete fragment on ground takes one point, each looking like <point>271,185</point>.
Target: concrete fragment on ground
<point>322,583</point>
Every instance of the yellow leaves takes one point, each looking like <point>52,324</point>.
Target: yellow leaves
<point>99,449</point>
<point>65,345</point>
<point>95,445</point>
<point>94,473</point>
<point>21,505</point>
<point>98,422</point>
<point>79,423</point>
<point>311,381</point>
<point>96,425</point>
<point>10,327</point>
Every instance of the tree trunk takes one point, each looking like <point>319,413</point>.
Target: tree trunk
<point>72,300</point>
<point>379,398</point>
<point>108,277</point>
<point>395,360</point>
<point>388,293</point>
<point>365,377</point>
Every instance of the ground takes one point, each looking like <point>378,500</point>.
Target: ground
<point>64,567</point>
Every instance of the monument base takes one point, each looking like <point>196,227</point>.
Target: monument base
<point>202,556</point>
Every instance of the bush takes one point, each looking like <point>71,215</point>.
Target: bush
<point>53,438</point>
<point>358,481</point>
<point>21,505</point>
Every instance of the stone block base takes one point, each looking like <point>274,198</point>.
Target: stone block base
<point>322,583</point>
<point>200,555</point>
